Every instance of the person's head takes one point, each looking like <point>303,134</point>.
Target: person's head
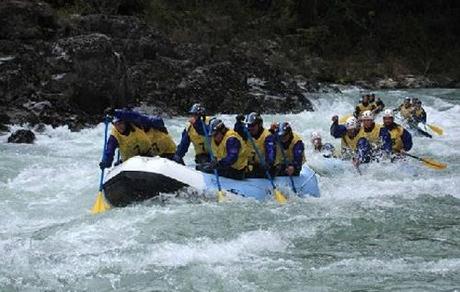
<point>388,117</point>
<point>371,97</point>
<point>366,98</point>
<point>407,101</point>
<point>284,132</point>
<point>254,123</point>
<point>367,119</point>
<point>120,125</point>
<point>352,126</point>
<point>197,110</point>
<point>217,129</point>
<point>316,140</point>
<point>418,104</point>
<point>414,100</point>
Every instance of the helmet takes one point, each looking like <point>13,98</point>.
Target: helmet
<point>215,125</point>
<point>315,135</point>
<point>284,129</point>
<point>388,113</point>
<point>253,118</point>
<point>407,98</point>
<point>197,109</point>
<point>352,123</point>
<point>367,115</point>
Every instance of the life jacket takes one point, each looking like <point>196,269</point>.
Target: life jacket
<point>369,107</point>
<point>289,152</point>
<point>406,112</point>
<point>349,144</point>
<point>418,113</point>
<point>396,137</point>
<point>198,141</point>
<point>260,144</point>
<point>220,151</point>
<point>373,136</point>
<point>135,143</point>
<point>160,143</point>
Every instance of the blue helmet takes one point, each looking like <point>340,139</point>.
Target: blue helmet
<point>284,129</point>
<point>197,109</point>
<point>215,125</point>
<point>253,118</point>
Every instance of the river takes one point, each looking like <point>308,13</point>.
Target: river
<point>396,227</point>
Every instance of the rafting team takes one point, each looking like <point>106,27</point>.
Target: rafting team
<point>250,150</point>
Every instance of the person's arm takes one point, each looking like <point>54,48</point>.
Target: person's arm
<point>270,150</point>
<point>141,120</point>
<point>109,152</point>
<point>385,137</point>
<point>338,131</point>
<point>233,146</point>
<point>298,154</point>
<point>407,140</point>
<point>184,144</point>
<point>423,118</point>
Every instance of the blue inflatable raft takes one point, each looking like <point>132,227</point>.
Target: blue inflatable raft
<point>143,178</point>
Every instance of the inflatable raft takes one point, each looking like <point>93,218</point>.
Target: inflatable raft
<point>142,178</point>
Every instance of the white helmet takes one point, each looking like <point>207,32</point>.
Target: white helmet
<point>315,135</point>
<point>367,115</point>
<point>352,123</point>
<point>388,113</point>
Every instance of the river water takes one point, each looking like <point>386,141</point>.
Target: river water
<point>396,227</point>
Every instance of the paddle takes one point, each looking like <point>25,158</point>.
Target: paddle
<point>438,130</point>
<point>431,163</point>
<point>220,194</point>
<point>100,205</point>
<point>279,197</point>
<point>286,163</point>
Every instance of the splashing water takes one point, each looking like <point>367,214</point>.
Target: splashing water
<point>396,227</point>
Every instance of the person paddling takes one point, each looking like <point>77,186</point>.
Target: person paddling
<point>193,133</point>
<point>265,142</point>
<point>290,150</point>
<point>130,139</point>
<point>230,152</point>
<point>401,139</point>
<point>405,109</point>
<point>348,133</point>
<point>365,105</point>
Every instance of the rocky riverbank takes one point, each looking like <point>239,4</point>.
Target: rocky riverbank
<point>67,69</point>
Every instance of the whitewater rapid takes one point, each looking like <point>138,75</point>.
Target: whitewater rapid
<point>396,227</point>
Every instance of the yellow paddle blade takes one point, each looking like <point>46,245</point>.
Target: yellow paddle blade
<point>433,163</point>
<point>100,205</point>
<point>220,196</point>
<point>280,197</point>
<point>343,119</point>
<point>438,130</point>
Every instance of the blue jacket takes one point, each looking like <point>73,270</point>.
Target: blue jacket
<point>338,131</point>
<point>233,147</point>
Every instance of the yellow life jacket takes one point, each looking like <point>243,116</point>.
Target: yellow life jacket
<point>220,151</point>
<point>396,138</point>
<point>136,143</point>
<point>198,141</point>
<point>373,136</point>
<point>349,144</point>
<point>289,151</point>
<point>419,112</point>
<point>160,143</point>
<point>406,112</point>
<point>369,107</point>
<point>260,144</point>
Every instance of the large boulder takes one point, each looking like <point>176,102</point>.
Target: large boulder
<point>22,136</point>
<point>25,19</point>
<point>89,73</point>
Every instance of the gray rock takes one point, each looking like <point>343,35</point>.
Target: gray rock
<point>22,136</point>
